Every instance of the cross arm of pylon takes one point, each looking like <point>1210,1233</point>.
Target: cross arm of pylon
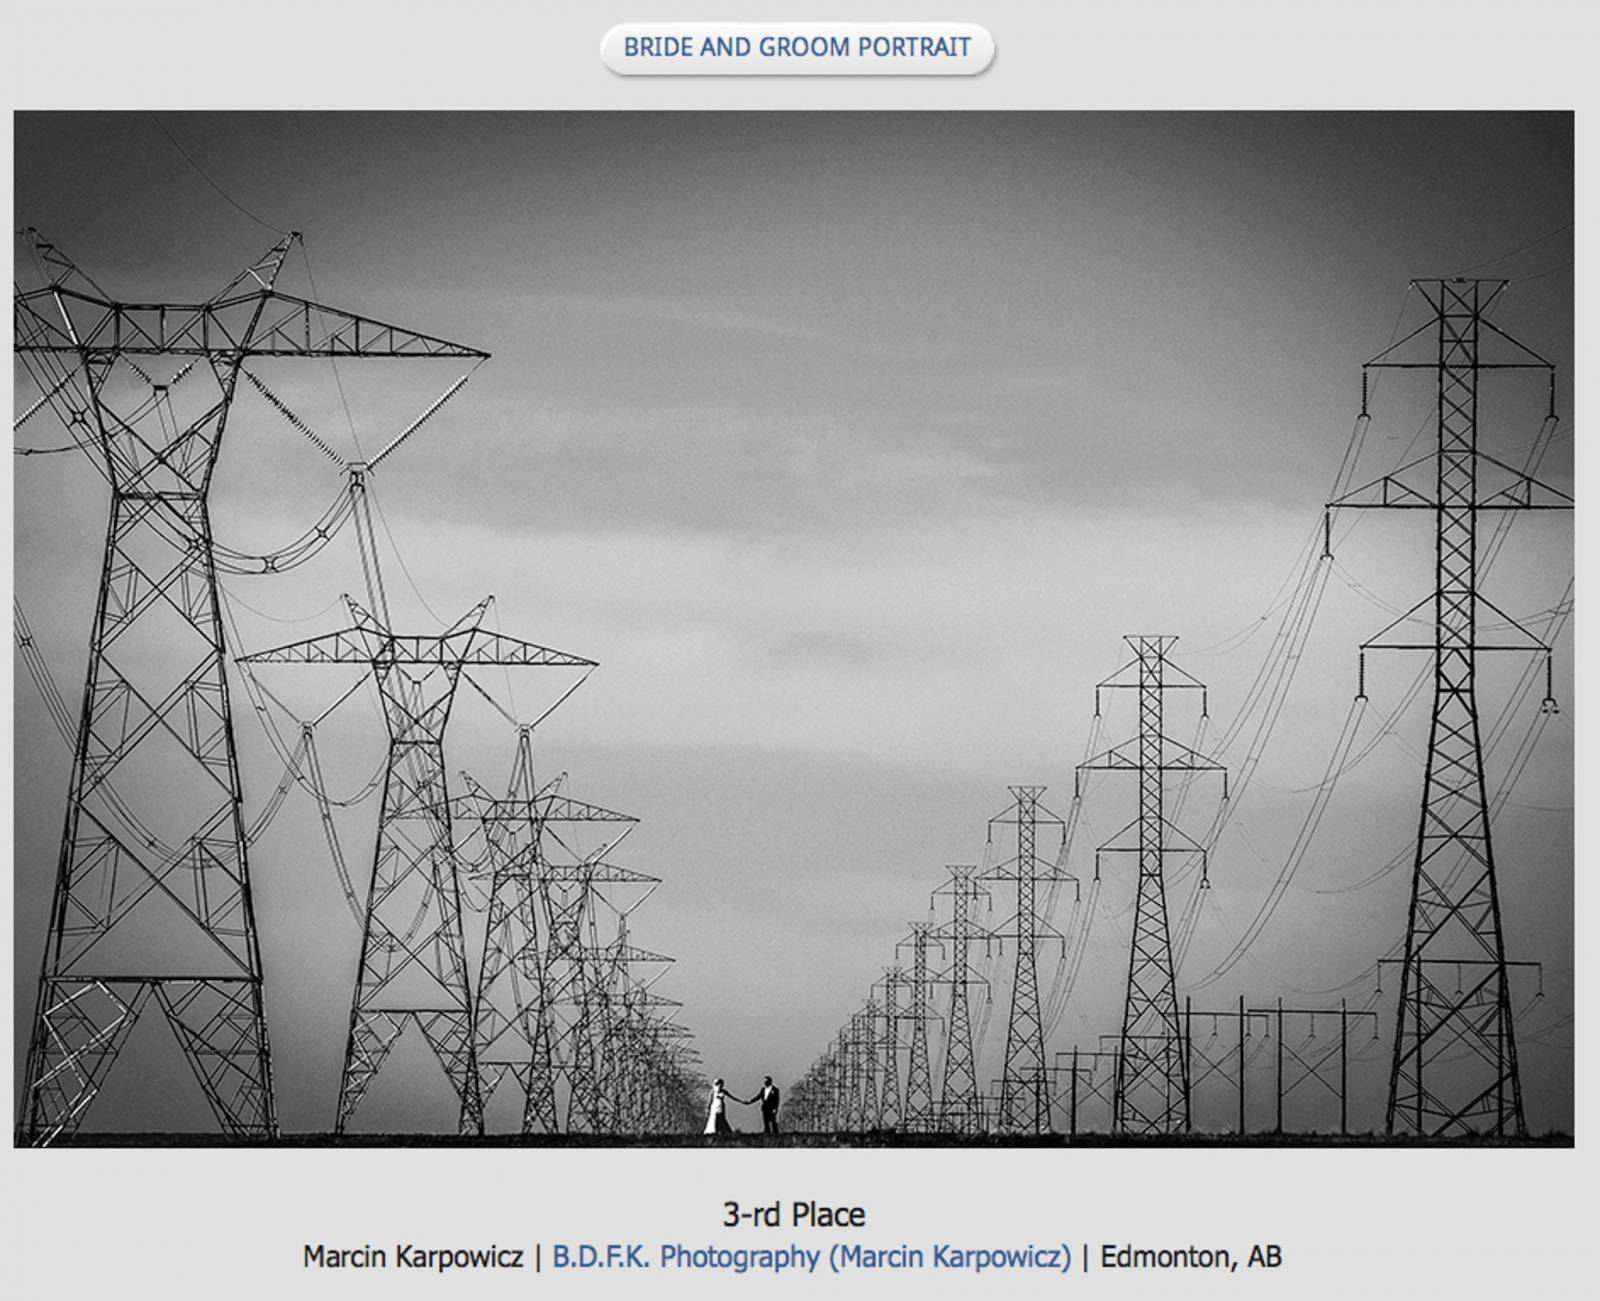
<point>297,327</point>
<point>261,323</point>
<point>927,932</point>
<point>1037,815</point>
<point>964,929</point>
<point>1184,843</point>
<point>479,646</point>
<point>1520,493</point>
<point>1173,677</point>
<point>644,998</point>
<point>1381,640</point>
<point>1456,297</point>
<point>628,953</point>
<point>1176,757</point>
<point>366,645</point>
<point>1388,492</point>
<point>1113,679</point>
<point>594,871</point>
<point>1011,929</point>
<point>555,807</point>
<point>346,646</point>
<point>1181,758</point>
<point>43,321</point>
<point>1012,869</point>
<point>1122,756</point>
<point>1377,642</point>
<point>477,804</point>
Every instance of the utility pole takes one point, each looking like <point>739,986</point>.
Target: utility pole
<point>1218,1061</point>
<point>170,916</point>
<point>1082,1070</point>
<point>1308,1060</point>
<point>1152,1071</point>
<point>413,964</point>
<point>1024,1078</point>
<point>1454,1066</point>
<point>960,1106</point>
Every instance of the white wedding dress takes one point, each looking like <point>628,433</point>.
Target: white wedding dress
<point>717,1117</point>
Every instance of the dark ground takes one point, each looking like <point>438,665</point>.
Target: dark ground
<point>883,1139</point>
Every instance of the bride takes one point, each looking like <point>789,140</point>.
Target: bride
<point>717,1118</point>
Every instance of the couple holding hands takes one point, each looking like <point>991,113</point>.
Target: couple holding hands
<point>717,1119</point>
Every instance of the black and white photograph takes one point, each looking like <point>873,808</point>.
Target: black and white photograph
<point>842,629</point>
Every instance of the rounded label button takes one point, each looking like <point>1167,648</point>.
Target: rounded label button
<point>890,49</point>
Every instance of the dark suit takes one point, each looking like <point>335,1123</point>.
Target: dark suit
<point>768,1097</point>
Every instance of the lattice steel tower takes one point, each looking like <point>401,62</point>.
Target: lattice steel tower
<point>891,1110</point>
<point>1025,1075</point>
<point>516,1031</point>
<point>1152,1083</point>
<point>413,964</point>
<point>1454,1068</point>
<point>169,913</point>
<point>960,1104</point>
<point>919,1110</point>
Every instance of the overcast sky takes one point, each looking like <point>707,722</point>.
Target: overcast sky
<point>850,446</point>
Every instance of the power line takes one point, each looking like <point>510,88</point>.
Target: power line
<point>206,177</point>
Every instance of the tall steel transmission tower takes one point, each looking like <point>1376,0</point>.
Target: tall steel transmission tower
<point>860,1041</point>
<point>1152,1084</point>
<point>960,1103</point>
<point>1454,1069</point>
<point>597,1033</point>
<point>919,1101</point>
<point>890,1107</point>
<point>1025,1076</point>
<point>413,964</point>
<point>640,1029</point>
<point>515,1026</point>
<point>170,914</point>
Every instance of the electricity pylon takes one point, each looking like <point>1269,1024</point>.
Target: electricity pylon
<point>413,964</point>
<point>171,916</point>
<point>596,1036</point>
<point>891,1109</point>
<point>867,1056</point>
<point>852,1115</point>
<point>858,1039</point>
<point>582,982</point>
<point>514,1026</point>
<point>960,1104</point>
<point>1025,1078</point>
<point>843,1081</point>
<point>919,1101</point>
<point>1454,1068</point>
<point>643,1066</point>
<point>1152,1089</point>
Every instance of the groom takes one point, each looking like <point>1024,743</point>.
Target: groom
<point>768,1098</point>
